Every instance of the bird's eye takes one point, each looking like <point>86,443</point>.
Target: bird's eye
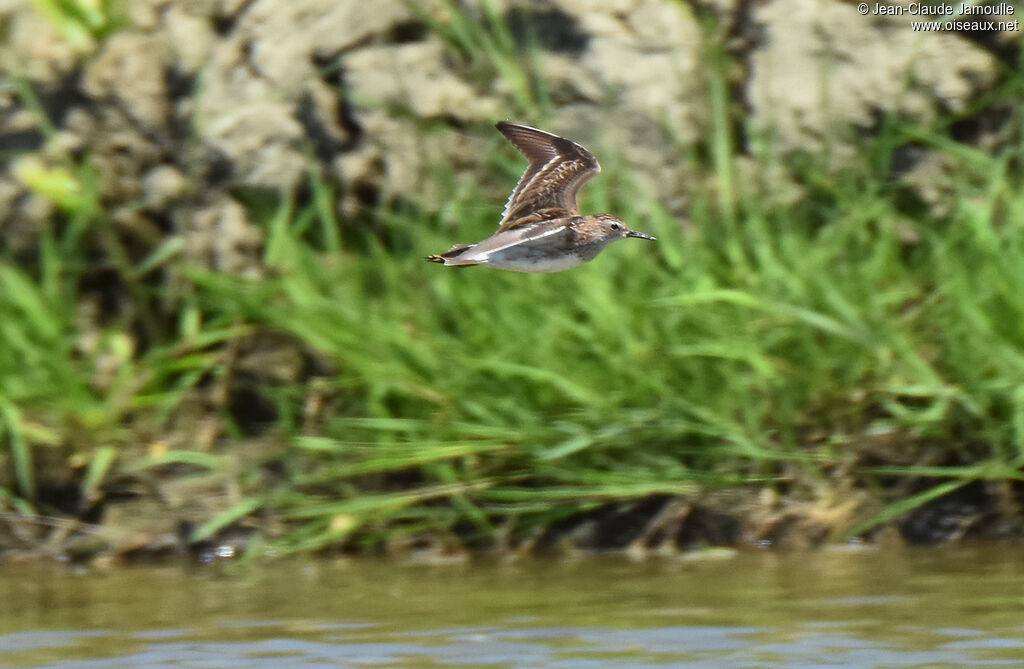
<point>616,226</point>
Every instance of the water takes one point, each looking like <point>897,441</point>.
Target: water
<point>959,607</point>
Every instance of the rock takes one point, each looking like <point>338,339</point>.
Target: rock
<point>413,76</point>
<point>219,235</point>
<point>162,185</point>
<point>129,72</point>
<point>190,35</point>
<point>846,69</point>
<point>35,49</point>
<point>262,140</point>
<point>259,75</point>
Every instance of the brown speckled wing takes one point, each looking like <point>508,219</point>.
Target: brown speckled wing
<point>557,170</point>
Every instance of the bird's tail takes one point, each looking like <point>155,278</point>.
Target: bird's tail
<point>451,256</point>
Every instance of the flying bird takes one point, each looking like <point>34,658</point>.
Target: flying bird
<point>541,228</point>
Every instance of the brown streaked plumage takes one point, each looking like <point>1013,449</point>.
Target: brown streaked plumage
<point>541,229</point>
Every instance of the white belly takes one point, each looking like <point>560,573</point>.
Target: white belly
<point>533,264</point>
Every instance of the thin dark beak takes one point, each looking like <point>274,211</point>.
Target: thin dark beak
<point>639,235</point>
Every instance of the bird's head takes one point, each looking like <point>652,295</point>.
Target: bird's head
<point>611,228</point>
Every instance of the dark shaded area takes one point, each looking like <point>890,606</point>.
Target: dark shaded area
<point>335,131</point>
<point>333,74</point>
<point>907,157</point>
<point>989,121</point>
<point>706,527</point>
<point>224,22</point>
<point>249,409</point>
<point>62,496</point>
<point>325,144</point>
<point>621,526</point>
<point>653,522</point>
<point>551,29</point>
<point>56,102</point>
<point>106,287</point>
<point>982,509</point>
<point>20,141</point>
<point>405,32</point>
<point>209,166</point>
<point>180,88</point>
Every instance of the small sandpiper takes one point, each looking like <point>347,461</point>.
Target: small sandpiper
<point>541,229</point>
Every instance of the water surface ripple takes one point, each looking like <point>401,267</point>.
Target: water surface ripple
<point>958,607</point>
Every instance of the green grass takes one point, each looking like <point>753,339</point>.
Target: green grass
<point>703,360</point>
<point>766,343</point>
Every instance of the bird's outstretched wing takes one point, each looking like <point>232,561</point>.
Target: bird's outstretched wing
<point>558,169</point>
